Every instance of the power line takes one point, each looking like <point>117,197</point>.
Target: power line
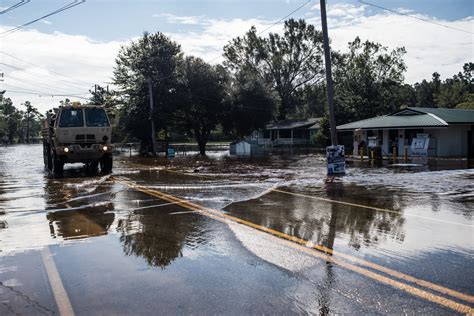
<point>41,85</point>
<point>59,81</point>
<point>43,94</point>
<point>64,8</point>
<point>273,24</point>
<point>286,16</point>
<point>15,6</point>
<point>54,72</point>
<point>415,17</point>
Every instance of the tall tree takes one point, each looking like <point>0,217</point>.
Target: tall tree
<point>367,79</point>
<point>199,99</point>
<point>286,62</point>
<point>12,118</point>
<point>151,59</point>
<point>251,105</point>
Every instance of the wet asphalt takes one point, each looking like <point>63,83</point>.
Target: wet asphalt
<point>379,240</point>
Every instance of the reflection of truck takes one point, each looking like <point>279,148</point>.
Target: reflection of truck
<point>77,133</point>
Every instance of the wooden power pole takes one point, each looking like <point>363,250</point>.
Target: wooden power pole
<point>327,59</point>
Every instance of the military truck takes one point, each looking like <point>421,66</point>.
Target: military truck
<point>77,134</point>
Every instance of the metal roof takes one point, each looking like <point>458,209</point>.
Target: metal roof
<point>414,118</point>
<point>451,116</point>
<point>309,123</point>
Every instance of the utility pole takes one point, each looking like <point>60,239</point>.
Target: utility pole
<point>150,91</point>
<point>335,155</point>
<point>327,59</point>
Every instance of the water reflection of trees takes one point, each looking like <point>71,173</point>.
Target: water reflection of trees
<point>158,236</point>
<point>322,222</point>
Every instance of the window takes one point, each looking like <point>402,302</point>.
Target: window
<point>96,117</point>
<point>71,118</point>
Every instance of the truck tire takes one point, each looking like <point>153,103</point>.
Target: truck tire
<point>57,165</point>
<point>106,164</point>
<point>47,156</point>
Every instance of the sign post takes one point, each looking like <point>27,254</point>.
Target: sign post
<point>336,159</point>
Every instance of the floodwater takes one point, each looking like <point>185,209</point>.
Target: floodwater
<point>272,235</point>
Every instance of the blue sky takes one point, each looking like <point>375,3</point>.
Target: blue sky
<point>117,20</point>
<point>81,43</point>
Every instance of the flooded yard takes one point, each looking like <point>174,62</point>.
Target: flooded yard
<point>222,235</point>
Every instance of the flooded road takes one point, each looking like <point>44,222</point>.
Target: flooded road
<point>219,235</point>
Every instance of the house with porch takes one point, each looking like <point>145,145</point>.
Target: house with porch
<point>287,132</point>
<point>450,131</point>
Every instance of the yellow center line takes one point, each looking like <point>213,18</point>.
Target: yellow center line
<point>60,295</point>
<point>369,207</point>
<point>378,209</point>
<point>323,252</point>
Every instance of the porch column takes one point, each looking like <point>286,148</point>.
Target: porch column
<point>401,142</point>
<point>385,142</point>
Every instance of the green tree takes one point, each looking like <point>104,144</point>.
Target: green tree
<point>12,119</point>
<point>251,105</point>
<point>367,80</point>
<point>199,99</point>
<point>151,59</point>
<point>286,62</point>
<point>32,117</point>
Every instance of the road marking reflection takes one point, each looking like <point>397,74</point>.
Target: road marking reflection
<point>325,253</point>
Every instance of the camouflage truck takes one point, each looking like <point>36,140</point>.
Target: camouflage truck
<point>77,134</point>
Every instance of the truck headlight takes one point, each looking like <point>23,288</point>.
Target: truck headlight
<point>66,149</point>
<point>104,148</point>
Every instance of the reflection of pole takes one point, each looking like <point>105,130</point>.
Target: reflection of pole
<point>28,126</point>
<point>327,59</point>
<point>150,90</point>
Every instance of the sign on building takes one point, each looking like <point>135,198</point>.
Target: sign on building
<point>419,145</point>
<point>336,159</point>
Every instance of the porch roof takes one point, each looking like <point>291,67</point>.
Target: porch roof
<point>310,123</point>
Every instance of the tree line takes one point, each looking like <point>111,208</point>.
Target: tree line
<point>262,78</point>
<point>19,125</point>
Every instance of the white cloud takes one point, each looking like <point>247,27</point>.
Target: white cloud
<point>46,22</point>
<point>429,47</point>
<point>82,60</point>
<point>190,20</point>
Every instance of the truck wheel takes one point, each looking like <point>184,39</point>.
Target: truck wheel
<point>58,165</point>
<point>106,164</point>
<point>46,158</point>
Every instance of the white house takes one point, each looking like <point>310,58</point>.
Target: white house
<point>450,131</point>
<point>287,132</point>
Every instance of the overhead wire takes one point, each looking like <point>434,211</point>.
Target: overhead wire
<point>41,85</point>
<point>77,2</point>
<point>41,93</point>
<point>414,17</point>
<point>43,76</point>
<point>15,6</point>
<point>64,8</point>
<point>266,29</point>
<point>52,71</point>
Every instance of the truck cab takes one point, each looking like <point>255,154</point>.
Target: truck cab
<point>77,134</point>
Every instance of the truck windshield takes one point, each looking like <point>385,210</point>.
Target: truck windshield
<point>96,117</point>
<point>71,118</point>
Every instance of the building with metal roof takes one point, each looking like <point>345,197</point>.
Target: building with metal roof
<point>450,131</point>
